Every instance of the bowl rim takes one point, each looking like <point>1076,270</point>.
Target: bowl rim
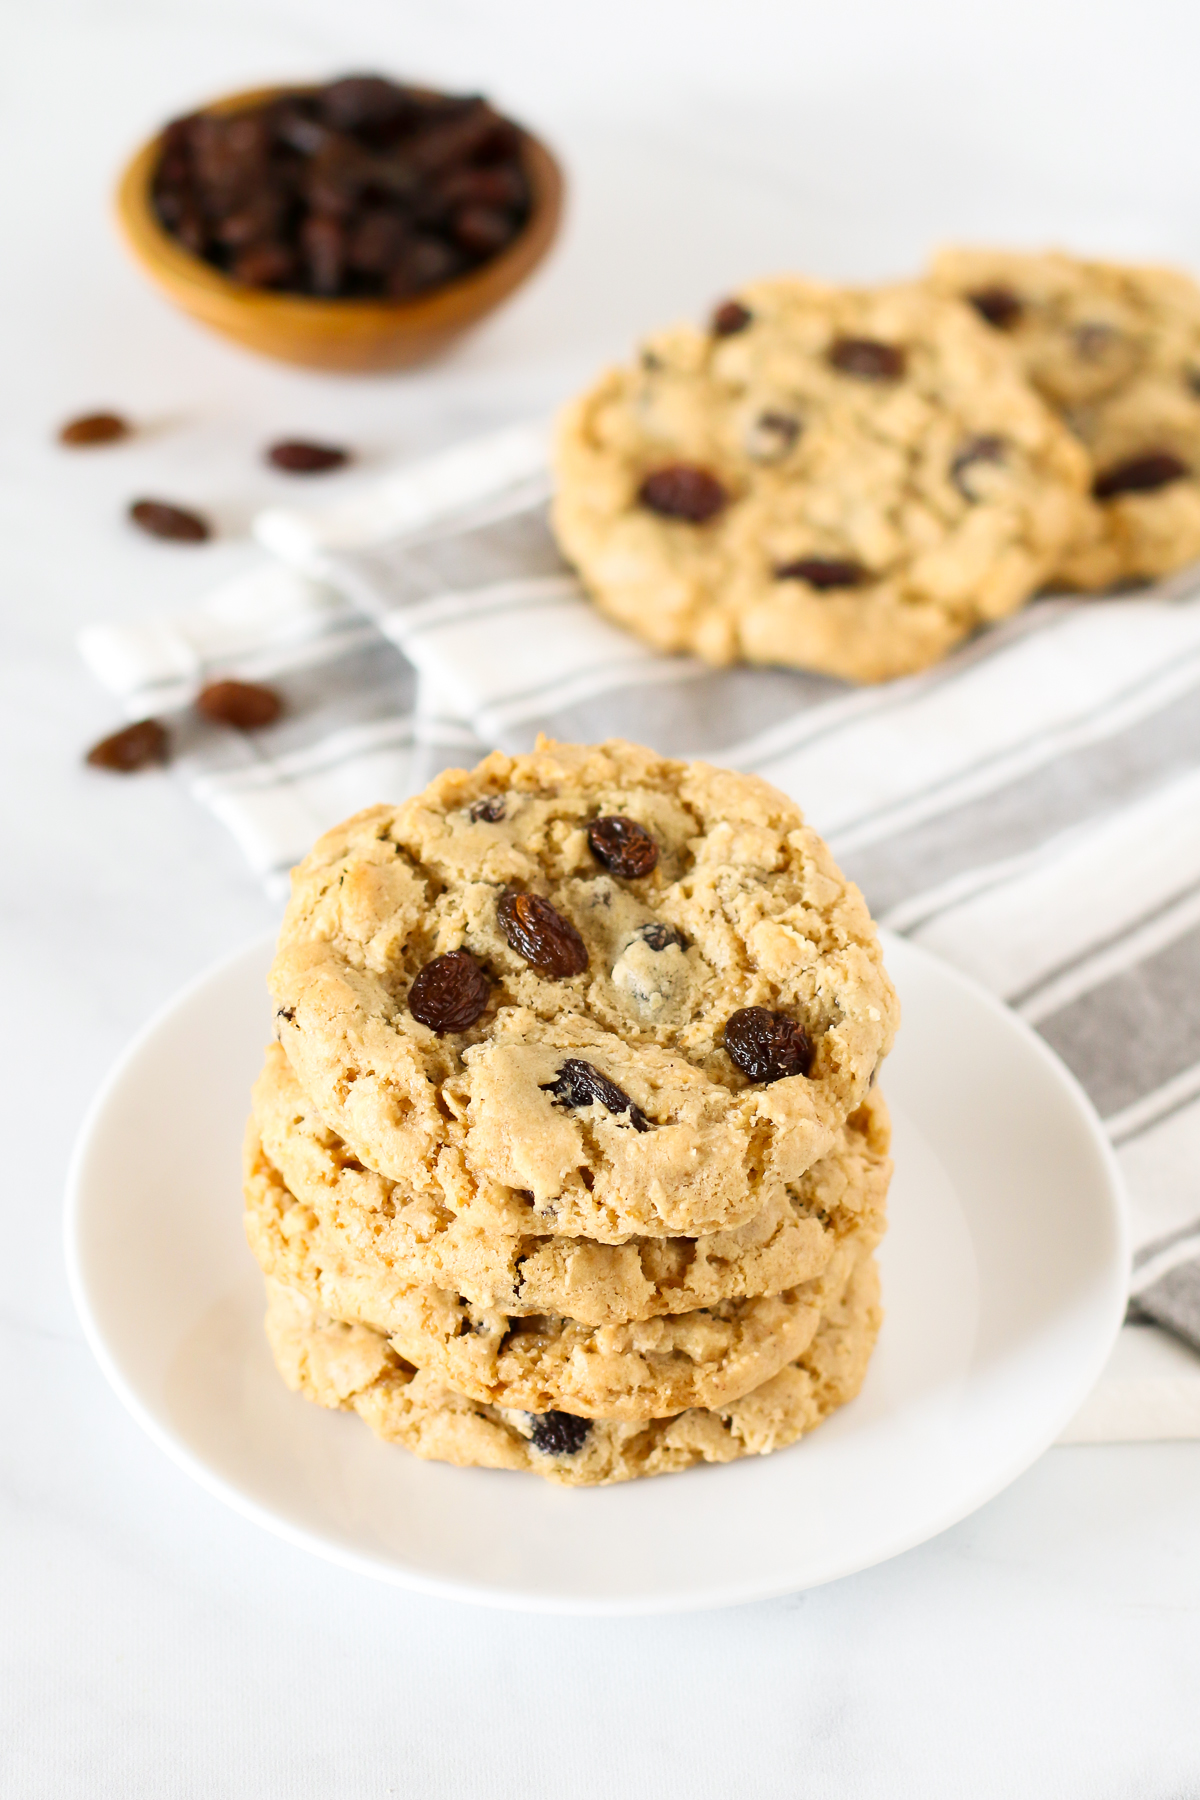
<point>155,247</point>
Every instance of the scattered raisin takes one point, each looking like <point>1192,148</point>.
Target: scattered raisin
<point>94,428</point>
<point>162,520</point>
<point>449,993</point>
<point>558,1433</point>
<point>985,449</point>
<point>766,1045</point>
<point>243,704</point>
<point>824,572</point>
<point>660,936</point>
<point>299,457</point>
<point>623,846</point>
<point>578,1083</point>
<point>998,305</point>
<point>134,748</point>
<point>683,491</point>
<point>867,358</point>
<point>538,932</point>
<point>730,317</point>
<point>1139,475</point>
<point>487,812</point>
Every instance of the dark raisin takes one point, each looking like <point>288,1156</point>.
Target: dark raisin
<point>449,993</point>
<point>867,358</point>
<point>323,240</point>
<point>286,1012</point>
<point>623,846</point>
<point>94,428</point>
<point>136,747</point>
<point>298,457</point>
<point>487,812</point>
<point>824,572</point>
<point>660,936</point>
<point>243,704</point>
<point>333,185</point>
<point>558,1433</point>
<point>425,263</point>
<point>481,230</point>
<point>264,265</point>
<point>538,932</point>
<point>986,449</point>
<point>356,102</point>
<point>378,241</point>
<point>730,317</point>
<point>254,223</point>
<point>502,186</point>
<point>766,1045</point>
<point>578,1083</point>
<point>1139,475</point>
<point>998,305</point>
<point>682,491</point>
<point>470,133</point>
<point>162,520</point>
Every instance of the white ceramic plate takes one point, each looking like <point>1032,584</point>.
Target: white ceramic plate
<point>1004,1276</point>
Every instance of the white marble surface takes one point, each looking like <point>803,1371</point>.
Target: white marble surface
<point>153,1643</point>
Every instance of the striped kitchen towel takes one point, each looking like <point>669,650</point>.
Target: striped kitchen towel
<point>1028,809</point>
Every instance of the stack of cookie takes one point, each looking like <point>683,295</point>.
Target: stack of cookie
<point>852,480</point>
<point>568,1157</point>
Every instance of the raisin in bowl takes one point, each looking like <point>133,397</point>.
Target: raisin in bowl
<point>304,227</point>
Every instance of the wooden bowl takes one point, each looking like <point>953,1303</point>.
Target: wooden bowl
<point>345,335</point>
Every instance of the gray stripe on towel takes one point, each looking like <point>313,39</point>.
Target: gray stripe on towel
<point>1133,1032</point>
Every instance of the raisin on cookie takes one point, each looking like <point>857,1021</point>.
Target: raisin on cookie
<point>831,479</point>
<point>1115,350</point>
<point>596,1083</point>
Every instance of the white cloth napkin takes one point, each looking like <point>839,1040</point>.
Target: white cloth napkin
<point>1029,809</point>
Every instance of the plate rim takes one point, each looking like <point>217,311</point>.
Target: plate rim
<point>469,1592</point>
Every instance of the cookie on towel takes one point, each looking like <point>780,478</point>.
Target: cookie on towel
<point>835,479</point>
<point>1115,349</point>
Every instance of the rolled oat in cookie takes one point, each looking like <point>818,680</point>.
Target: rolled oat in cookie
<point>1115,350</point>
<point>596,1086</point>
<point>343,1365</point>
<point>834,479</point>
<point>326,1207</point>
